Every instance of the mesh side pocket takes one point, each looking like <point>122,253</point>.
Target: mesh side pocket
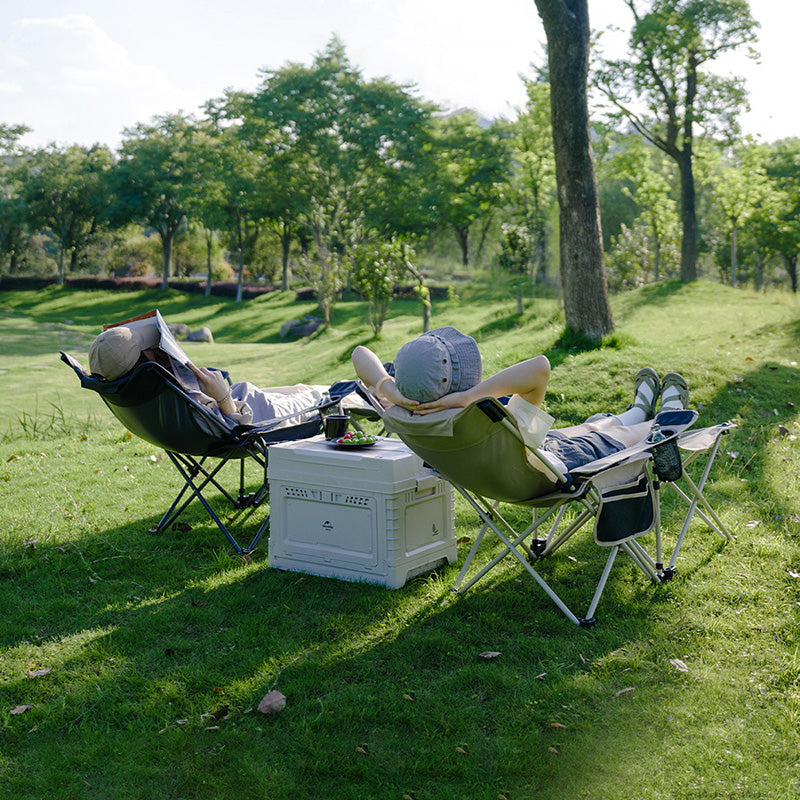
<point>626,511</point>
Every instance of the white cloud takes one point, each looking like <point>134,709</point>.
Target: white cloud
<point>82,85</point>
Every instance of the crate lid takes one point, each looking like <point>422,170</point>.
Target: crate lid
<point>388,465</point>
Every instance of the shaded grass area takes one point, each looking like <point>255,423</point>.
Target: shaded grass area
<point>161,646</point>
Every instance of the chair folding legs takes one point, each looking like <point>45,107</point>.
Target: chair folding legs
<point>491,518</point>
<point>697,504</point>
<point>189,468</point>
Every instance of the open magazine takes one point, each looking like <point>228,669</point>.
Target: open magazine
<point>168,343</point>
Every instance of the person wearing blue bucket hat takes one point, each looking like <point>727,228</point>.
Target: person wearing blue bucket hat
<point>441,369</point>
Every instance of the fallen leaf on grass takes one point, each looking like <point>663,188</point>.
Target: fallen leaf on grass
<point>783,430</point>
<point>409,698</point>
<point>794,574</point>
<point>463,540</point>
<point>625,691</point>
<point>557,725</point>
<point>37,673</point>
<point>181,527</point>
<point>363,749</point>
<point>554,750</point>
<point>461,750</point>
<point>221,713</point>
<point>754,523</point>
<point>488,655</point>
<point>679,665</point>
<point>20,709</point>
<point>272,702</point>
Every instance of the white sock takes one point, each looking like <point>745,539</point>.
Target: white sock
<point>635,415</point>
<point>671,399</point>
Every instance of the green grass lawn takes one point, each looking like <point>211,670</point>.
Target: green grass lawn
<point>140,659</point>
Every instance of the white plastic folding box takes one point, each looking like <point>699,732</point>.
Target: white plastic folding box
<point>372,514</point>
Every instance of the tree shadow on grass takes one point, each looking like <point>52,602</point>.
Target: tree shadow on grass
<point>153,681</point>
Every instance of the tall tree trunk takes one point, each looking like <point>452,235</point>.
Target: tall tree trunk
<point>61,264</point>
<point>462,234</point>
<point>688,215</point>
<point>286,243</point>
<point>167,239</point>
<point>791,268</point>
<point>656,253</point>
<point>734,253</point>
<point>209,243</point>
<point>759,275</point>
<point>586,306</point>
<point>240,248</point>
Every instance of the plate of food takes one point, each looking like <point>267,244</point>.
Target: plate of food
<point>354,439</point>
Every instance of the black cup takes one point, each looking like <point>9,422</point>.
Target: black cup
<point>335,425</point>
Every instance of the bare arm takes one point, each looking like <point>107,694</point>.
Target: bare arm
<point>528,379</point>
<point>371,371</point>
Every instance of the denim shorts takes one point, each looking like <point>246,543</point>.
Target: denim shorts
<point>575,451</point>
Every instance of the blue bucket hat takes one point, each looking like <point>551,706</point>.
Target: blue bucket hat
<point>437,363</point>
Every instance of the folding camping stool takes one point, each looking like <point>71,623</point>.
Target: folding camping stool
<point>704,442</point>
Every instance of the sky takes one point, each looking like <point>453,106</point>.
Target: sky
<point>81,71</point>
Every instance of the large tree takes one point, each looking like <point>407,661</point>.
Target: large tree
<point>472,163</point>
<point>742,190</point>
<point>65,194</point>
<point>783,167</point>
<point>155,177</point>
<point>665,89</point>
<point>14,171</point>
<point>335,143</point>
<point>532,187</point>
<point>566,24</point>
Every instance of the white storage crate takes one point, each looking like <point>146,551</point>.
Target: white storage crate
<point>372,514</point>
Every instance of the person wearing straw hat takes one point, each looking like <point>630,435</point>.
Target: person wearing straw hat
<point>118,350</point>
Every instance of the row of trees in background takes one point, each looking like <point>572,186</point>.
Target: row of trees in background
<point>301,177</point>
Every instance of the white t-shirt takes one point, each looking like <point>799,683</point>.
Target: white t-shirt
<point>533,422</point>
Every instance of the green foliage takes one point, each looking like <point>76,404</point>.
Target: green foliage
<point>65,194</point>
<point>375,270</point>
<point>154,179</point>
<point>532,186</point>
<point>665,88</point>
<point>327,272</point>
<point>472,165</point>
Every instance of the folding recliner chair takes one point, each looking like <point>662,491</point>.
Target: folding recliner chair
<point>479,449</point>
<point>151,404</point>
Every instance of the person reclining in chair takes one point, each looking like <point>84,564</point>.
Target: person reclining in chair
<point>118,350</point>
<point>442,369</point>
